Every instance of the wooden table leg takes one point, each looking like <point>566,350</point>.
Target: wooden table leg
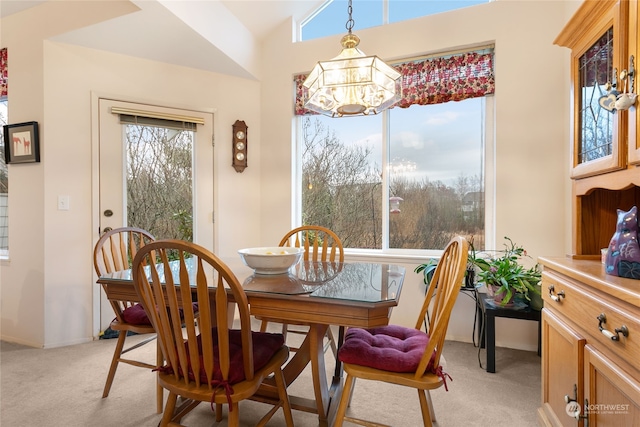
<point>311,351</point>
<point>318,370</point>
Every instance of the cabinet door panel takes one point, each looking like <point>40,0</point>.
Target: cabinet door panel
<point>613,396</point>
<point>562,369</point>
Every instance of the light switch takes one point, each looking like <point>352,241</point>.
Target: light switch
<point>63,203</point>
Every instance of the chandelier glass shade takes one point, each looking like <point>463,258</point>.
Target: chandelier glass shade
<point>352,83</point>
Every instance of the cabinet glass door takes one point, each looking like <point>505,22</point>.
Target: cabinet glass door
<point>600,130</point>
<point>596,120</point>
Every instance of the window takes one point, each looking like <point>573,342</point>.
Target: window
<point>434,157</point>
<point>408,178</point>
<point>4,174</point>
<point>4,187</point>
<point>159,178</point>
<point>331,17</point>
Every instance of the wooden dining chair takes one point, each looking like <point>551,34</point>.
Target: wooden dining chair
<point>115,251</point>
<point>320,245</point>
<point>407,356</point>
<point>205,360</point>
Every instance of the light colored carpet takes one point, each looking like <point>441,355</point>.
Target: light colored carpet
<point>63,386</point>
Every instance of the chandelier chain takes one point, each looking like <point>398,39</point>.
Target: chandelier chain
<point>350,22</point>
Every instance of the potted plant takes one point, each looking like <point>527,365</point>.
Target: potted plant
<point>428,268</point>
<point>503,274</point>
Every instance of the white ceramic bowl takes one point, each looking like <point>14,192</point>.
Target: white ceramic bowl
<point>271,259</point>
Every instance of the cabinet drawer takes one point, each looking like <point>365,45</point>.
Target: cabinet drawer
<point>582,307</point>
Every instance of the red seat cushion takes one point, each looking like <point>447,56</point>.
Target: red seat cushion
<point>265,346</point>
<point>136,315</point>
<point>390,348</point>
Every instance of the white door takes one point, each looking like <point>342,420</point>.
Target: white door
<point>115,156</point>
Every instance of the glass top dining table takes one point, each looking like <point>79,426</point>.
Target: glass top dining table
<point>356,282</point>
<point>316,294</point>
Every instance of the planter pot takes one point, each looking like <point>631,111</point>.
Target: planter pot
<point>499,296</point>
<point>470,278</point>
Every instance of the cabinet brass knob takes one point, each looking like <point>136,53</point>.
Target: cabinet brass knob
<point>615,335</point>
<point>556,297</point>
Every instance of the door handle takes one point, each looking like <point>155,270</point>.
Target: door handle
<point>107,229</point>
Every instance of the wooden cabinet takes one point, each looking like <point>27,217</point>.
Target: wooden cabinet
<point>605,172</point>
<point>590,346</point>
<point>591,320</point>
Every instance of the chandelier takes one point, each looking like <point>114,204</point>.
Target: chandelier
<point>351,83</point>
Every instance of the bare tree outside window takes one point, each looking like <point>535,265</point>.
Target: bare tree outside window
<point>159,180</point>
<point>338,186</point>
<point>342,187</point>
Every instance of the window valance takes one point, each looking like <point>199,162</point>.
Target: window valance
<point>434,80</point>
<point>4,73</point>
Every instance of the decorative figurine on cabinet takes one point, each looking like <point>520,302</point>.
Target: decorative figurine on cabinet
<point>623,255</point>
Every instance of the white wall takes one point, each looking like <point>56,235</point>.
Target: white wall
<point>48,283</point>
<point>46,288</point>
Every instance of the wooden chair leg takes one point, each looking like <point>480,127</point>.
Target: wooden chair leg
<point>159,390</point>
<point>431,411</point>
<point>426,406</point>
<point>332,342</point>
<point>218,412</point>
<point>263,326</point>
<point>169,409</point>
<point>233,418</point>
<point>284,397</point>
<point>344,400</point>
<point>114,362</point>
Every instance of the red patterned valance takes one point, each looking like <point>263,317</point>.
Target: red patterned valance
<point>4,73</point>
<point>434,80</point>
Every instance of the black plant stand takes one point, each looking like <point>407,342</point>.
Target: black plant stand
<point>488,325</point>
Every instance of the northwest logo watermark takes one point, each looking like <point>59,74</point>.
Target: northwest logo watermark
<point>573,409</point>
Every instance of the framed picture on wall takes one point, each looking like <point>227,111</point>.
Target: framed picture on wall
<point>21,143</point>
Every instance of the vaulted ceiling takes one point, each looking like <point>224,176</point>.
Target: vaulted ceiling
<point>212,35</point>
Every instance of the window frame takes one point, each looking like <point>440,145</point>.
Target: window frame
<point>385,251</point>
<point>4,253</point>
